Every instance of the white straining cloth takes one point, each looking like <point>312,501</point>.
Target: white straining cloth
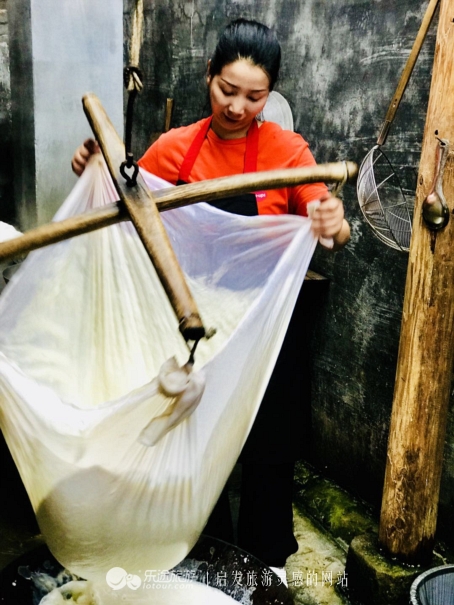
<point>85,327</point>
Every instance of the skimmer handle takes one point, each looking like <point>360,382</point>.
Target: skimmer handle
<point>408,69</point>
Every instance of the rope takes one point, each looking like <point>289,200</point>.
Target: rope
<point>132,77</point>
<point>134,81</point>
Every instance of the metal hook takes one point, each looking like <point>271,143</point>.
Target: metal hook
<point>131,180</point>
<point>132,77</point>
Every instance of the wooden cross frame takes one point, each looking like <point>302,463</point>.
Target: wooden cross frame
<point>142,207</point>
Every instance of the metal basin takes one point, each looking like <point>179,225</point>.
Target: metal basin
<point>434,587</point>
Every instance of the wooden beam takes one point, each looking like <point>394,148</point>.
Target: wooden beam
<point>425,361</point>
<point>174,197</point>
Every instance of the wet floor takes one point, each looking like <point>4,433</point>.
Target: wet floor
<point>316,572</point>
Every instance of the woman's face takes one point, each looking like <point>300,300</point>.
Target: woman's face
<point>237,95</point>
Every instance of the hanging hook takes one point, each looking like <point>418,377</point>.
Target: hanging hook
<point>132,77</point>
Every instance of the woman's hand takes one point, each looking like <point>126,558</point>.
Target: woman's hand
<point>83,154</point>
<point>328,221</point>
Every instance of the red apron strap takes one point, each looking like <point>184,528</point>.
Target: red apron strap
<point>252,148</point>
<point>193,151</point>
<point>250,155</point>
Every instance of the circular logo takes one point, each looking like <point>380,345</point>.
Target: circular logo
<point>117,578</point>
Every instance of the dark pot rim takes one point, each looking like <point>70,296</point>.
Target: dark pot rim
<point>209,558</point>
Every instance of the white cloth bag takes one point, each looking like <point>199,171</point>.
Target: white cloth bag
<point>85,327</point>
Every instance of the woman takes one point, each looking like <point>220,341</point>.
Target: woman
<point>241,73</point>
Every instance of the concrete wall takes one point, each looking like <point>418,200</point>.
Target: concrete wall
<point>341,64</point>
<point>59,51</point>
<point>6,179</point>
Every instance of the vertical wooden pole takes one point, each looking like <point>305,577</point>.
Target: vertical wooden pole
<point>425,361</point>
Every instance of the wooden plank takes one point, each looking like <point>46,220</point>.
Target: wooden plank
<point>174,197</point>
<point>425,361</point>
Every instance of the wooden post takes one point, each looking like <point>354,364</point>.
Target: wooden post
<point>424,367</point>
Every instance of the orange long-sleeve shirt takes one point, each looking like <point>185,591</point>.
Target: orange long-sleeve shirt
<point>218,157</point>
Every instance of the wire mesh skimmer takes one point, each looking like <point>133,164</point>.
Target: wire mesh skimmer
<point>380,195</point>
<point>383,202</point>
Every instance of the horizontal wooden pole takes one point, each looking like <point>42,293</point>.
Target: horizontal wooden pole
<point>173,197</point>
<point>58,231</point>
<point>253,181</point>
